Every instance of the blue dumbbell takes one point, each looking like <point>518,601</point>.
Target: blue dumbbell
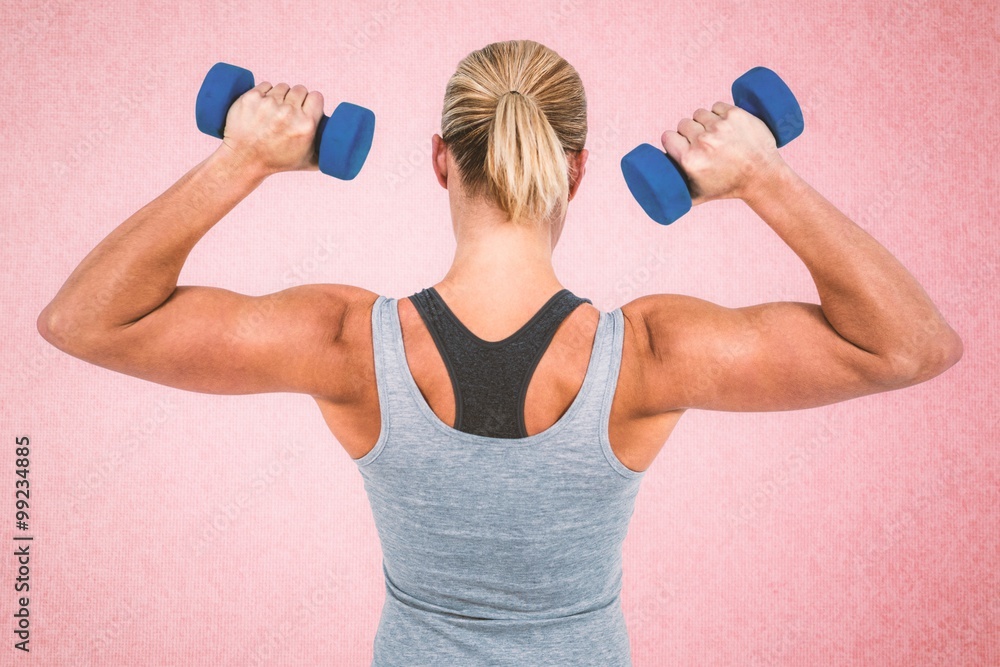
<point>658,183</point>
<point>343,139</point>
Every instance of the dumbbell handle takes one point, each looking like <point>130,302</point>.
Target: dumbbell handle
<point>341,150</point>
<point>659,184</point>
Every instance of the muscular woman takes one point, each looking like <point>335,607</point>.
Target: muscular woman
<point>502,424</point>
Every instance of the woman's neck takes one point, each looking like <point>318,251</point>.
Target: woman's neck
<point>502,264</point>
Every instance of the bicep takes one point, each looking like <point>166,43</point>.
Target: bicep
<point>216,341</point>
<point>772,356</point>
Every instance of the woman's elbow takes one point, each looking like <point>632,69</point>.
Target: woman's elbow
<point>950,352</point>
<point>935,357</point>
<point>48,324</point>
<point>63,330</point>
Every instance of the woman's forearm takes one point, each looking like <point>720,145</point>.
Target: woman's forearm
<point>135,268</point>
<point>866,294</point>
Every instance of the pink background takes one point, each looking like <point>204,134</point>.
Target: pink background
<point>189,529</point>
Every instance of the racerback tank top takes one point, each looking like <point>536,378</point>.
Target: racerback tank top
<point>498,550</point>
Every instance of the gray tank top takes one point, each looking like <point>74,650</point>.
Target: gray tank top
<point>498,551</point>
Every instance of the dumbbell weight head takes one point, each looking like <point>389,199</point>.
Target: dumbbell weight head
<point>762,92</point>
<point>222,86</point>
<point>659,184</point>
<point>343,139</point>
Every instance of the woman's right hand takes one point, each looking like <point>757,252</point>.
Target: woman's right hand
<point>723,152</point>
<point>274,127</point>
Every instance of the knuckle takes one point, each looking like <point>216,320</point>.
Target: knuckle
<point>304,128</point>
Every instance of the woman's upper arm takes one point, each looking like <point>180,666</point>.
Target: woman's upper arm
<point>773,356</point>
<point>215,341</point>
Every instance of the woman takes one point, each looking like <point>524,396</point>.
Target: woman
<point>501,423</point>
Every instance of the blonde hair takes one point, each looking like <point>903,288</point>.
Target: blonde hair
<point>512,111</point>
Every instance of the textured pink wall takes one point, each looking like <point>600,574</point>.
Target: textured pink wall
<point>187,529</point>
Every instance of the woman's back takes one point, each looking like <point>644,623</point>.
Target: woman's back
<point>635,438</point>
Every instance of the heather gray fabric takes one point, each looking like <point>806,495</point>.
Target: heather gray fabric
<point>498,551</point>
<point>490,378</point>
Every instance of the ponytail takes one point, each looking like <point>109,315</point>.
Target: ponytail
<point>512,112</point>
<point>526,163</point>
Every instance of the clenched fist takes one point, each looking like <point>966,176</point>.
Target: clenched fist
<point>723,152</point>
<point>274,127</point>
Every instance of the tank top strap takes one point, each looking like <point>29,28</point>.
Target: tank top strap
<point>394,399</point>
<point>606,376</point>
